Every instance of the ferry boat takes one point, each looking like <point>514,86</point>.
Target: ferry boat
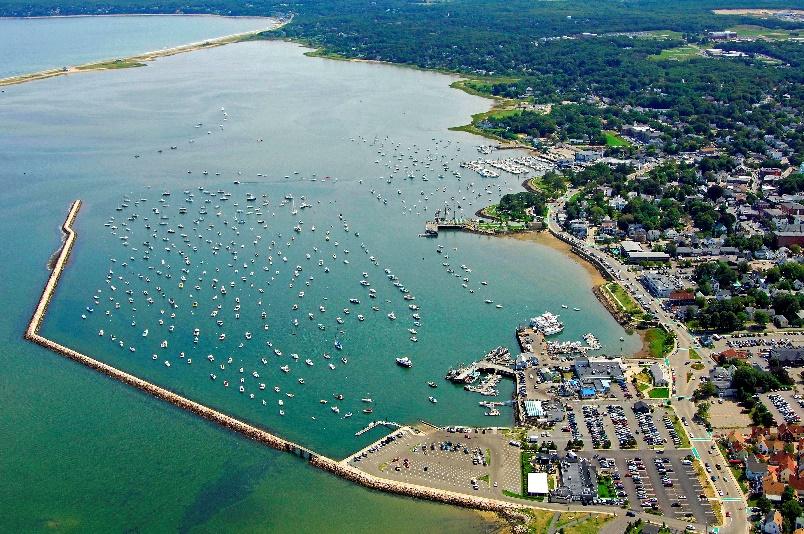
<point>404,362</point>
<point>547,323</point>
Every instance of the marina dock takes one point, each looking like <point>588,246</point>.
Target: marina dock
<point>228,422</point>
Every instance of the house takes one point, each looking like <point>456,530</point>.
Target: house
<point>788,467</point>
<point>754,469</point>
<point>772,488</point>
<point>583,156</point>
<point>659,374</point>
<point>761,445</point>
<point>579,228</point>
<point>781,321</point>
<point>772,524</point>
<point>618,203</point>
<point>681,298</point>
<point>790,433</point>
<point>721,378</point>
<point>608,227</point>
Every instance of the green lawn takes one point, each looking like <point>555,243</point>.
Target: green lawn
<point>681,53</point>
<point>587,526</point>
<point>694,355</point>
<point>659,342</point>
<point>614,140</point>
<point>659,393</point>
<point>605,488</point>
<point>623,299</point>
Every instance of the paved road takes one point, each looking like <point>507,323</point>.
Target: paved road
<point>677,360</point>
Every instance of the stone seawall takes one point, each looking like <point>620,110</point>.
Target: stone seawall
<point>412,490</point>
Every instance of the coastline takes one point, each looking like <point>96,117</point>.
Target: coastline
<point>547,239</point>
<point>503,514</point>
<point>138,60</point>
<point>36,17</point>
<point>496,519</point>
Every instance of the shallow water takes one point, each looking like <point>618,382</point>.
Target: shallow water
<point>31,45</point>
<point>77,137</point>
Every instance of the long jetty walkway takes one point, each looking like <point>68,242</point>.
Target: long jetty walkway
<point>226,421</point>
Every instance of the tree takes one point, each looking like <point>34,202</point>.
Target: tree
<point>764,504</point>
<point>702,412</point>
<point>761,318</point>
<point>791,510</point>
<point>705,390</point>
<point>714,192</point>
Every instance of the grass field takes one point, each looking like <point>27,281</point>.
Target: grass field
<point>759,32</point>
<point>659,393</point>
<point>694,355</point>
<point>681,53</point>
<point>587,526</point>
<point>659,342</point>
<point>614,140</point>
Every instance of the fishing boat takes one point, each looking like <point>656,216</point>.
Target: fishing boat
<point>432,399</point>
<point>368,410</point>
<point>404,362</point>
<point>432,384</point>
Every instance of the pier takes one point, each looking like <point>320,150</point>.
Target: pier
<point>375,424</point>
<point>233,424</point>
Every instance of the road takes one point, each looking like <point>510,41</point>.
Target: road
<point>682,389</point>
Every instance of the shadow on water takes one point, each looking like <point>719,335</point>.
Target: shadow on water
<point>234,485</point>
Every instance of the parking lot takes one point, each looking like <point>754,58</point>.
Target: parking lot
<point>786,406</point>
<point>615,424</point>
<point>468,461</point>
<point>666,483</point>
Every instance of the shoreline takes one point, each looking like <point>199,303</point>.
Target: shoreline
<point>38,17</point>
<point>492,509</point>
<point>139,60</point>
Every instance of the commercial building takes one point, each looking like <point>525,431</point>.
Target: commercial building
<point>537,484</point>
<point>578,481</point>
<point>657,285</point>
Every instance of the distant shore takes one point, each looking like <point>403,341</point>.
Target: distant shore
<point>138,60</point>
<point>138,15</point>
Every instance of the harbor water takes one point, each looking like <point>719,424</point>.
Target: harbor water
<point>310,143</point>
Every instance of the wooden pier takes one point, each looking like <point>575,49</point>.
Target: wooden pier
<point>228,422</point>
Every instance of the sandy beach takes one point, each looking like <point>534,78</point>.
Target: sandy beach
<point>547,239</point>
<point>140,60</point>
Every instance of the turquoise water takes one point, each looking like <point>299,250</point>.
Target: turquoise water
<point>30,45</point>
<point>130,462</point>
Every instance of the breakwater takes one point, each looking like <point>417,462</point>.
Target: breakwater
<point>247,430</point>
